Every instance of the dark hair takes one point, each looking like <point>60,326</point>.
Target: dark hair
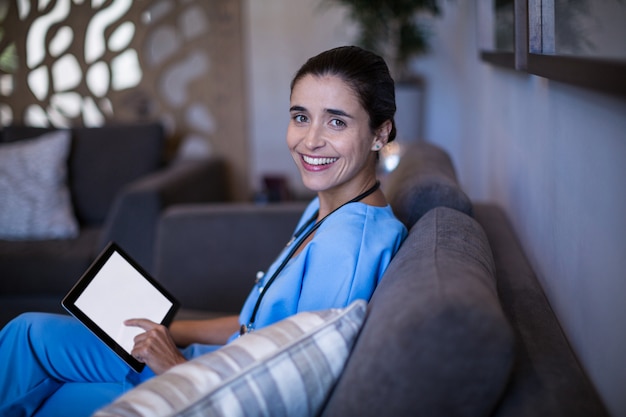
<point>366,73</point>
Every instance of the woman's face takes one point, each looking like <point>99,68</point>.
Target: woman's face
<point>329,136</point>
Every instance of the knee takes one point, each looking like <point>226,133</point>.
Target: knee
<point>33,318</point>
<point>34,323</point>
<point>22,321</point>
<point>29,317</point>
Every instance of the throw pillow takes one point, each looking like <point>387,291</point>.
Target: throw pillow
<point>35,201</point>
<point>286,369</point>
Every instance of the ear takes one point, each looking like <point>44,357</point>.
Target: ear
<point>382,136</point>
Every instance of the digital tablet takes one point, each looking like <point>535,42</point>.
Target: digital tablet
<point>113,289</point>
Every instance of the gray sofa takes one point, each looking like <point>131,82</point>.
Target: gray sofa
<point>119,183</point>
<point>458,326</point>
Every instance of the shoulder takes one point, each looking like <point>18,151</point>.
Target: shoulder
<point>367,216</point>
<point>360,222</point>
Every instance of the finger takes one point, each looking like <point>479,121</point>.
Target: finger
<point>142,323</point>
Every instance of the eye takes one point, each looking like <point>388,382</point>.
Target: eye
<point>300,118</point>
<point>337,123</point>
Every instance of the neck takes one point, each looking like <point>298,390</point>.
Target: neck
<point>367,192</point>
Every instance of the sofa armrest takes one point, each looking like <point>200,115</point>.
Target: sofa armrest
<point>207,255</point>
<point>134,215</point>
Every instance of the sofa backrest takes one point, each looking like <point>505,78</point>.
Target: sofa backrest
<point>103,160</point>
<point>435,341</point>
<point>227,242</point>
<point>424,179</point>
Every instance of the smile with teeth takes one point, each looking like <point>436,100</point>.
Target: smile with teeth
<point>318,161</point>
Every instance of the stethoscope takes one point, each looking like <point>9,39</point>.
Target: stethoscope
<point>299,238</point>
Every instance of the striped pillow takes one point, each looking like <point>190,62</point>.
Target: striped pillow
<point>286,369</point>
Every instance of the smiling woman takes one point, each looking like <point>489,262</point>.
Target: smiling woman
<point>342,113</point>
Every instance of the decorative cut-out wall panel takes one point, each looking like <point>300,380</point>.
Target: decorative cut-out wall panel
<point>89,62</point>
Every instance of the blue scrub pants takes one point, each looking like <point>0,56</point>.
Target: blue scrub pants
<point>52,365</point>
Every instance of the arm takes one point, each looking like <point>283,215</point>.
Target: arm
<point>208,332</point>
<point>157,347</point>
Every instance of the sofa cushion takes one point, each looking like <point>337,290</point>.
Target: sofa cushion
<point>35,201</point>
<point>45,266</point>
<point>424,179</point>
<point>286,369</point>
<point>102,161</point>
<point>436,342</point>
<point>107,158</point>
<point>238,231</point>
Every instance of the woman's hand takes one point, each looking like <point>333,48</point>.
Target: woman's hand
<point>155,347</point>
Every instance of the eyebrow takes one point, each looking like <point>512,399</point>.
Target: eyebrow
<point>334,112</point>
<point>339,113</point>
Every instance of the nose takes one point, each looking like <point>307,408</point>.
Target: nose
<point>314,138</point>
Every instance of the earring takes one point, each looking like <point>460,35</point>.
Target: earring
<point>377,146</point>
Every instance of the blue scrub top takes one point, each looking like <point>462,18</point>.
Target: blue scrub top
<point>343,262</point>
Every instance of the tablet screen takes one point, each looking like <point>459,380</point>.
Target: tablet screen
<point>113,290</point>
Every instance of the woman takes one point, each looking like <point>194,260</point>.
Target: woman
<point>342,113</point>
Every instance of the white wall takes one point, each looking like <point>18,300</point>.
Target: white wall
<point>552,155</point>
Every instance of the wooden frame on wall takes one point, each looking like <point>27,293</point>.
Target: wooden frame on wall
<point>534,50</point>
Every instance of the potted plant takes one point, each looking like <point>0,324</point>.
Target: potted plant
<point>392,29</point>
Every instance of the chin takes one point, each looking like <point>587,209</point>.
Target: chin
<point>315,185</point>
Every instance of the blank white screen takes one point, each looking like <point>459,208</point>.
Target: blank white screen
<point>119,292</point>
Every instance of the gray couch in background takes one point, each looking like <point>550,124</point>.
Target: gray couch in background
<point>119,183</point>
<point>459,325</point>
